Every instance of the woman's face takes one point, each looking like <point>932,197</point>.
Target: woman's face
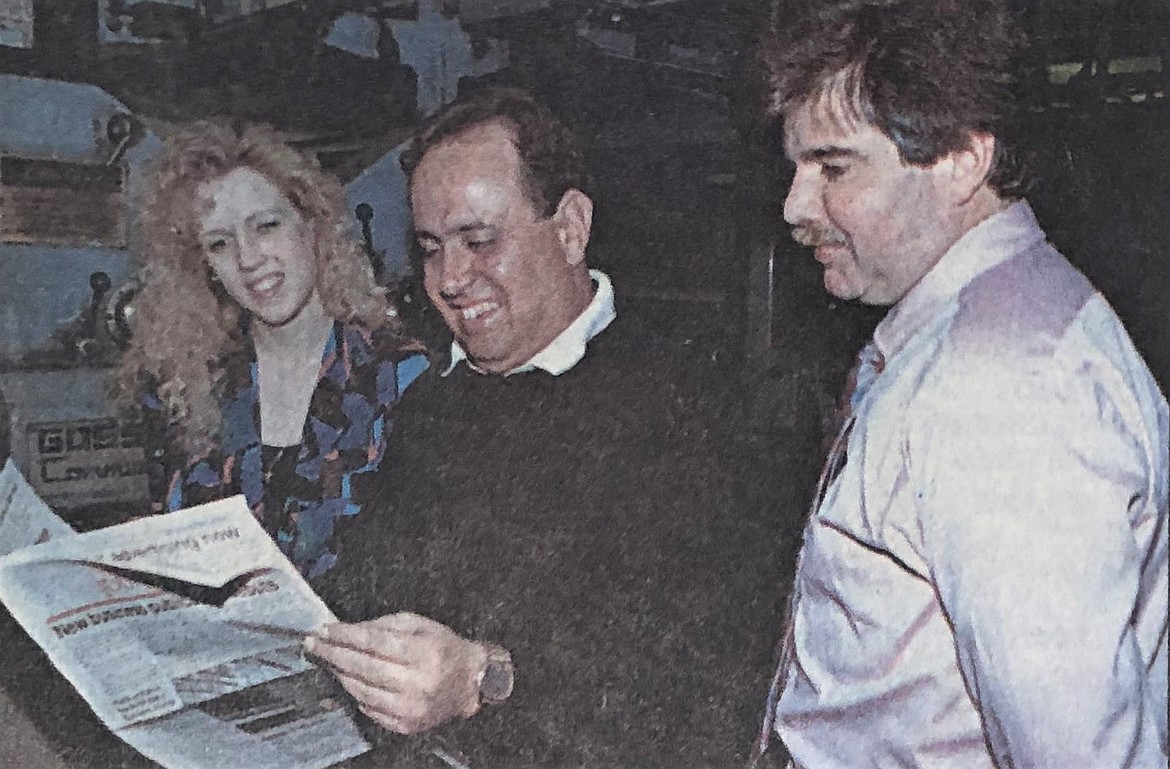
<point>258,245</point>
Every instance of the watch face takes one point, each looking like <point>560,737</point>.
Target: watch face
<point>496,684</point>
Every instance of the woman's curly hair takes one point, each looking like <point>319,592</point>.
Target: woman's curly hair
<point>185,326</point>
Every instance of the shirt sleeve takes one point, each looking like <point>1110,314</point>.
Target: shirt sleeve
<point>1029,483</point>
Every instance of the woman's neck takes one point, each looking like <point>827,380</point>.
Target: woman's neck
<point>304,334</point>
<point>288,360</point>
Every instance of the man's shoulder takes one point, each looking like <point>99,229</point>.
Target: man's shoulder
<point>1021,308</point>
<point>1031,334</point>
<point>637,360</point>
<point>637,344</point>
<point>672,383</point>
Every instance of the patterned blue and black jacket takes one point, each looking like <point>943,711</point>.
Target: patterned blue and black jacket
<point>362,376</point>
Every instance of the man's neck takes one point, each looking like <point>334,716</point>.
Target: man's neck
<point>985,204</point>
<point>578,294</point>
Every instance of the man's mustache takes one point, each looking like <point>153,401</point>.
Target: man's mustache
<point>812,234</point>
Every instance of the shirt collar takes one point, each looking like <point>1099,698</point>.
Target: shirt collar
<point>568,348</point>
<point>982,247</point>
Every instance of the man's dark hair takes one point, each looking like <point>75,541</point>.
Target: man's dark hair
<point>549,156</point>
<point>926,73</point>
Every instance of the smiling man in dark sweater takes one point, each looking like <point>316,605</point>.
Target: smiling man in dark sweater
<point>551,571</point>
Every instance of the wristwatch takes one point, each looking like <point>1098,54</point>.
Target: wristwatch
<point>496,679</point>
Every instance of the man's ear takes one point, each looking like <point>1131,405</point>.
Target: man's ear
<point>574,222</point>
<point>970,166</point>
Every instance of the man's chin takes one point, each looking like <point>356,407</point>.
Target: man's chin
<point>840,287</point>
<point>485,359</point>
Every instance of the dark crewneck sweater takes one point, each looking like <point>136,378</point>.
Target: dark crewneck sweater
<point>584,523</point>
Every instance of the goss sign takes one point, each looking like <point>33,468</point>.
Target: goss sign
<point>85,462</point>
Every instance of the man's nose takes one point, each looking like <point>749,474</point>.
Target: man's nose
<point>455,270</point>
<point>803,200</point>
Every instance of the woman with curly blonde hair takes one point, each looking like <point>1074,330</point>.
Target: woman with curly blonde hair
<point>263,345</point>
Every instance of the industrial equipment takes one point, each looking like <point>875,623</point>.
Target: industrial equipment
<point>71,161</point>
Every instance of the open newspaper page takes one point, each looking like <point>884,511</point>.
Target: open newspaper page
<point>183,632</point>
<point>24,518</point>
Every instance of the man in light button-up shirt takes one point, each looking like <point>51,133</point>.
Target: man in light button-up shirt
<point>983,580</point>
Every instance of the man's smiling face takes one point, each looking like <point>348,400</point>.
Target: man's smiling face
<point>495,266</point>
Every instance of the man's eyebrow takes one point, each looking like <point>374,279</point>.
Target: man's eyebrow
<point>832,152</point>
<point>463,228</point>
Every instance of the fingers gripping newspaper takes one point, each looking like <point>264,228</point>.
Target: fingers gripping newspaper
<point>183,633</point>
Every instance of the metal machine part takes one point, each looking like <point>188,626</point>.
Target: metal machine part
<point>68,173</point>
<point>119,309</point>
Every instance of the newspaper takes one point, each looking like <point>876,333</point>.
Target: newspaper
<point>183,633</point>
<point>24,519</point>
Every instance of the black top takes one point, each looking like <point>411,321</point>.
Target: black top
<point>585,523</point>
<point>278,469</point>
